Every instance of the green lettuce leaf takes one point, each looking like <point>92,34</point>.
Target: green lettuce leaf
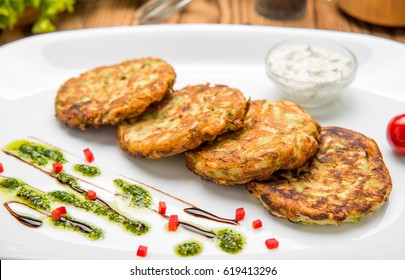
<point>11,11</point>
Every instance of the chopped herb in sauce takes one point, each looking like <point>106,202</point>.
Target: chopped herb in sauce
<point>11,183</point>
<point>188,248</point>
<point>73,200</point>
<point>230,241</point>
<point>140,196</point>
<point>87,170</point>
<point>35,153</point>
<point>34,198</point>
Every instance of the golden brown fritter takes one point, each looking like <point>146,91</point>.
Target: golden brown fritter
<point>275,135</point>
<point>183,120</point>
<point>346,180</point>
<point>108,95</point>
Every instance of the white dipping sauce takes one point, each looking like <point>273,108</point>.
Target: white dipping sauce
<point>310,75</point>
<point>309,64</point>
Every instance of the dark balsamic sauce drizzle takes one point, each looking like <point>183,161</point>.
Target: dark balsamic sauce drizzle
<point>195,229</point>
<point>197,212</point>
<point>192,228</point>
<point>25,220</point>
<point>35,223</point>
<point>79,225</point>
<point>76,189</point>
<point>103,203</point>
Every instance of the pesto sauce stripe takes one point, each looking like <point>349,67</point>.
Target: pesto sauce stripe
<point>140,196</point>
<point>136,227</point>
<point>35,198</point>
<point>35,153</point>
<point>93,233</point>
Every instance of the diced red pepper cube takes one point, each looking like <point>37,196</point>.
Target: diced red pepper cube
<point>57,167</point>
<point>240,214</point>
<point>142,251</point>
<point>88,155</point>
<point>272,243</point>
<point>1,168</point>
<point>91,195</point>
<point>162,207</point>
<point>173,223</point>
<point>58,213</point>
<point>257,224</point>
<point>62,209</point>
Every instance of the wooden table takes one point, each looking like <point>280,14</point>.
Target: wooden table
<point>320,14</point>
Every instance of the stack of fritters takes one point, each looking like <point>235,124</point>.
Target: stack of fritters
<point>297,170</point>
<point>127,95</point>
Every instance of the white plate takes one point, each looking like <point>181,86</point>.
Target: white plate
<point>32,69</point>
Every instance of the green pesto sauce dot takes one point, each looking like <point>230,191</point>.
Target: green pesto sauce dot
<point>230,241</point>
<point>87,170</point>
<point>188,249</point>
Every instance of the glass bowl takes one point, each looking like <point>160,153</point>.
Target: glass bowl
<point>311,72</point>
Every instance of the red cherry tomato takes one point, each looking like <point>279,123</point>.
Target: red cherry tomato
<point>396,134</point>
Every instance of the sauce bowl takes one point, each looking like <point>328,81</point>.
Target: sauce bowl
<point>311,72</point>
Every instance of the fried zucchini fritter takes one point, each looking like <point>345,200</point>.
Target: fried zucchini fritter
<point>183,120</point>
<point>275,135</point>
<point>346,180</point>
<point>108,95</point>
